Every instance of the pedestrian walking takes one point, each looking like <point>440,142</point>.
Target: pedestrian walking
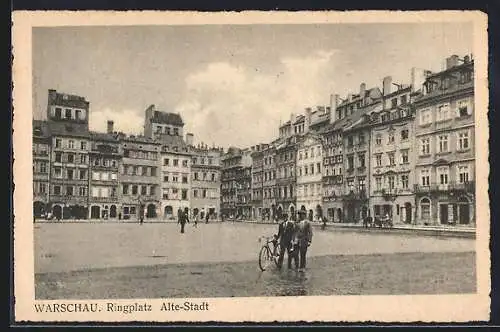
<point>195,219</point>
<point>303,238</point>
<point>181,220</point>
<point>206,218</point>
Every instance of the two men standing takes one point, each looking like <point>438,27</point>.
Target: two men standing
<point>295,238</point>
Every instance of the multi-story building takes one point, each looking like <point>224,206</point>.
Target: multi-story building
<point>41,167</point>
<point>205,179</point>
<point>309,176</point>
<point>392,147</point>
<point>67,118</point>
<point>140,187</point>
<point>104,166</point>
<point>269,182</point>
<point>236,183</point>
<point>444,133</point>
<point>257,156</point>
<point>319,118</point>
<point>333,163</point>
<point>175,158</point>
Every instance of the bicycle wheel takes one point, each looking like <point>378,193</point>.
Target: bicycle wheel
<point>265,258</point>
<point>276,257</point>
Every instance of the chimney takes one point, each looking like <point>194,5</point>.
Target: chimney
<point>362,89</point>
<point>292,118</point>
<point>387,85</point>
<point>189,139</point>
<point>349,97</point>
<point>452,61</point>
<point>466,59</point>
<point>334,103</point>
<point>308,118</point>
<point>110,126</point>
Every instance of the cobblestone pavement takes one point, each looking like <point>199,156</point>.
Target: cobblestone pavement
<point>155,260</point>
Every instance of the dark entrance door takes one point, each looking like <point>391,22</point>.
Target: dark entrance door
<point>57,211</point>
<point>95,212</point>
<point>408,213</point>
<point>443,213</point>
<point>464,213</point>
<point>112,211</point>
<point>151,211</point>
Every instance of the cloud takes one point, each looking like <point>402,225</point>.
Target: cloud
<point>125,120</point>
<point>241,105</point>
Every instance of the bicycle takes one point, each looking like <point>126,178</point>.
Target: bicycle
<point>267,255</point>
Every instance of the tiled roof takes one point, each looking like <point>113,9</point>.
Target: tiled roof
<point>65,128</point>
<point>167,118</point>
<point>98,136</point>
<point>41,128</point>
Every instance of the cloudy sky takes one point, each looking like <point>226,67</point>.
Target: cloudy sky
<point>232,84</point>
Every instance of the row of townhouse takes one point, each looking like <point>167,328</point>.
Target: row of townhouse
<point>78,173</point>
<point>406,150</point>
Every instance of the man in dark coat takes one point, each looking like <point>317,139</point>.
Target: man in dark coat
<point>181,219</point>
<point>303,238</point>
<point>285,236</point>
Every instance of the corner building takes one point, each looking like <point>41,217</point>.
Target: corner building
<point>41,167</point>
<point>444,131</point>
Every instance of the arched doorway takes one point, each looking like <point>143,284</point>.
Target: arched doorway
<point>463,210</point>
<point>168,211</point>
<point>95,212</point>
<point>112,211</point>
<point>408,213</point>
<point>57,211</point>
<point>425,210</point>
<point>151,211</point>
<point>38,209</point>
<point>340,216</point>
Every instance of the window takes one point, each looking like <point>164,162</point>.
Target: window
<point>350,162</point>
<point>392,160</point>
<point>134,189</point>
<point>361,159</point>
<point>152,190</point>
<point>425,176</point>
<point>312,152</point>
<point>404,134</point>
<point>425,146</point>
<point>153,171</point>
<point>306,170</point>
<point>166,161</point>
<point>71,144</point>
<point>184,163</point>
<point>176,162</point>
<point>378,139</point>
<point>443,112</point>
<point>125,189</point>
<point>43,167</point>
<point>403,99</point>
<point>83,174</point>
<point>394,102</point>
<point>176,131</point>
<point>463,108</point>
<point>58,157</point>
<point>184,179</point>
<point>69,191</point>
<point>70,173</point>
<point>425,117</point>
<point>361,139</point>
<point>195,193</point>
<point>95,176</point>
<point>443,173</point>
<point>390,181</point>
<point>144,190</point>
<point>463,174</point>
<point>404,181</point>
<point>350,141</point>
<point>300,155</point>
<point>404,157</point>
<point>391,138</point>
<point>378,160</point>
<point>82,191</point>
<point>58,113</point>
<point>443,143</point>
<point>362,184</point>
<point>463,141</point>
<point>57,172</point>
<point>58,142</point>
<point>425,209</point>
<point>67,113</point>
<point>71,158</point>
<point>213,177</point>
<point>204,193</point>
<point>83,159</point>
<point>318,168</point>
<point>311,167</point>
<point>378,183</point>
<point>57,190</point>
<point>350,184</point>
<point>175,178</point>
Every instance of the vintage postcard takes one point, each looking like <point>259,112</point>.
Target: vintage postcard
<point>251,167</point>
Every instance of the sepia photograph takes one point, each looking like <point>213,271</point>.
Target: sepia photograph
<point>178,164</point>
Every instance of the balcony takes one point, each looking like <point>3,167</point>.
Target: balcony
<point>468,187</point>
<point>389,194</point>
<point>355,195</point>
